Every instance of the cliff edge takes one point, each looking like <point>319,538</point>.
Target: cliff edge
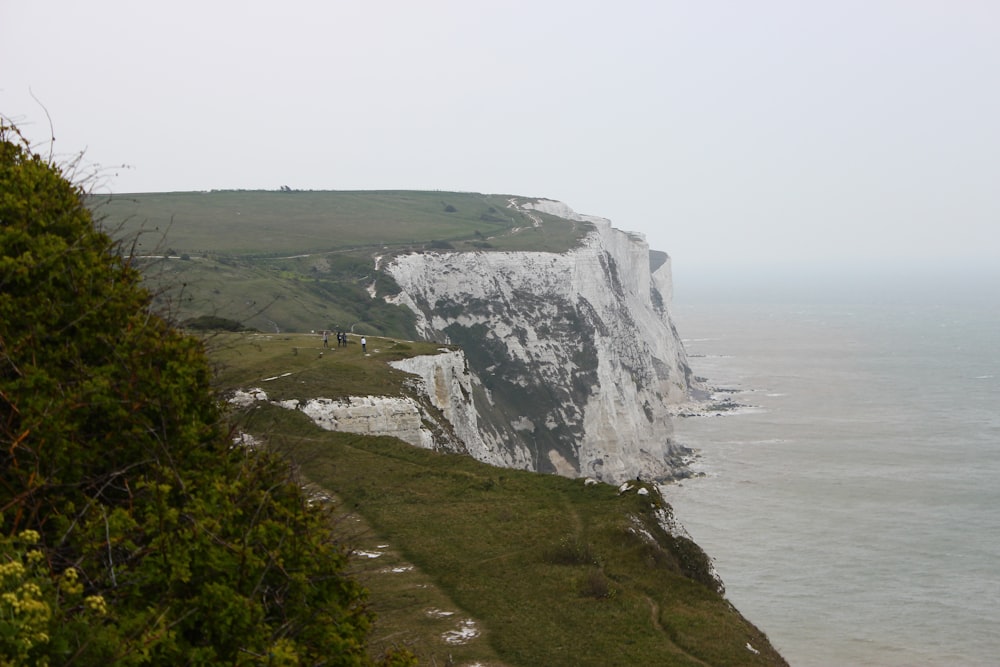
<point>573,356</point>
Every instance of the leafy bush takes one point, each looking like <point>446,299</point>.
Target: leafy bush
<point>143,535</point>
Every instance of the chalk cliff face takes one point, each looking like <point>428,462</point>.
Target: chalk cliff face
<point>572,357</point>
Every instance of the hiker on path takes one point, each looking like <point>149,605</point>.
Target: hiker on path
<point>326,338</point>
<point>364,345</point>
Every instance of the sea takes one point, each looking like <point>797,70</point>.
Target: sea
<point>851,500</point>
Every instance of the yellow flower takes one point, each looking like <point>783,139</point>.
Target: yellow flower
<point>12,569</point>
<point>31,590</point>
<point>96,604</point>
<point>30,536</point>
<point>9,598</point>
<point>69,583</point>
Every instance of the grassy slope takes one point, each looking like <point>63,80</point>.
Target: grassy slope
<point>550,569</point>
<point>300,261</point>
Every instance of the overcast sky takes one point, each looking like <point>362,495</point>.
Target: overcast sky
<point>750,133</point>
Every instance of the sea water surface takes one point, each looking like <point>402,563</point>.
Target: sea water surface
<point>854,512</point>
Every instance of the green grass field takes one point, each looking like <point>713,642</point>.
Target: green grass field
<point>270,224</point>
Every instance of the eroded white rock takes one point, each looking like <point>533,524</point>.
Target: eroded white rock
<point>578,345</point>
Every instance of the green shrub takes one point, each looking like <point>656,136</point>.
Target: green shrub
<point>116,468</point>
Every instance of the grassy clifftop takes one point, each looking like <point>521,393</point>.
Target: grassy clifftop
<point>480,565</point>
<point>299,261</point>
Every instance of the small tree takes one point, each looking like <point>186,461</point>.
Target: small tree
<point>133,531</point>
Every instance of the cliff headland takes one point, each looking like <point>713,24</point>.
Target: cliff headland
<point>503,332</point>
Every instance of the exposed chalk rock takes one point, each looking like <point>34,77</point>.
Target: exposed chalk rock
<point>573,358</point>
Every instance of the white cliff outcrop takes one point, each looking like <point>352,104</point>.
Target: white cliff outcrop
<point>573,358</point>
<point>437,411</point>
<point>397,416</point>
<point>446,382</point>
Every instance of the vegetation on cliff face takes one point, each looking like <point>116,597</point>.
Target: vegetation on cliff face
<point>132,531</point>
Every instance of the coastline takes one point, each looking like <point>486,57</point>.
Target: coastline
<point>714,401</point>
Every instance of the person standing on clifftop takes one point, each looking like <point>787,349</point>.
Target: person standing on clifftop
<point>364,345</point>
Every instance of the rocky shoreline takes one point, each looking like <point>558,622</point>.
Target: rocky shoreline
<point>712,402</point>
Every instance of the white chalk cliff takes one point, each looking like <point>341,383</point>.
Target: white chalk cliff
<point>572,357</point>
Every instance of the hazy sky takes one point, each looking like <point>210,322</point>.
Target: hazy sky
<point>756,133</point>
